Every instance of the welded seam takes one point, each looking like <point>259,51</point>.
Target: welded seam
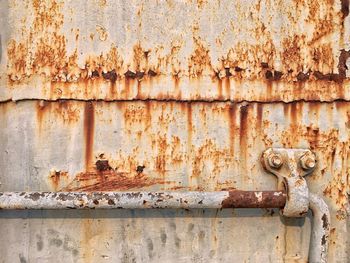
<point>176,100</point>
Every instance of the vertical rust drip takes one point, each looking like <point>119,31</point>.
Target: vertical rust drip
<point>286,111</point>
<point>148,105</point>
<point>269,89</point>
<point>127,83</point>
<point>189,138</point>
<point>228,87</point>
<point>139,90</point>
<point>177,94</point>
<point>41,108</point>
<point>220,95</point>
<point>344,8</point>
<point>86,228</point>
<point>294,114</point>
<point>113,90</point>
<point>89,123</point>
<point>243,136</point>
<point>189,124</point>
<point>232,121</point>
<point>259,116</point>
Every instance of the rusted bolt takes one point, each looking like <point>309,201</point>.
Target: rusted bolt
<point>308,161</point>
<point>275,160</point>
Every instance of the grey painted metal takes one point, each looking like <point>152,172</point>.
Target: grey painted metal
<point>140,200</point>
<point>320,230</point>
<point>179,113</point>
<point>59,144</point>
<point>172,200</point>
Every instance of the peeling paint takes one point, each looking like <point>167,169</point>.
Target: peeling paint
<point>103,95</point>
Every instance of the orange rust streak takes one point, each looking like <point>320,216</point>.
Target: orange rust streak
<point>189,124</point>
<point>220,95</point>
<point>110,181</point>
<point>87,235</point>
<point>56,179</point>
<point>232,120</point>
<point>89,123</point>
<point>243,136</point>
<point>40,111</point>
<point>259,116</point>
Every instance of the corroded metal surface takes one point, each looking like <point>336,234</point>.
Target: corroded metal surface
<point>210,50</point>
<point>142,200</point>
<point>161,146</point>
<point>105,95</point>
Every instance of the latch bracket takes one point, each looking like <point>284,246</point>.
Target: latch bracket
<point>290,166</point>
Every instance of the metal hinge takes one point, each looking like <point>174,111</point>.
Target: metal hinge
<point>291,166</point>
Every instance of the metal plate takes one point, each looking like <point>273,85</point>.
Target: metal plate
<point>176,95</point>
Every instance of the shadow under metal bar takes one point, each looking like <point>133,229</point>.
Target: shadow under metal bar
<point>174,200</point>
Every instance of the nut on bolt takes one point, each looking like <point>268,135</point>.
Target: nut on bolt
<point>275,160</point>
<point>308,161</point>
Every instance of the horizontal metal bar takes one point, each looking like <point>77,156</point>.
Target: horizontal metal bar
<point>142,200</point>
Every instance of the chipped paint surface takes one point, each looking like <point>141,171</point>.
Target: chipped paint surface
<point>103,95</point>
<point>142,200</point>
<point>289,50</point>
<point>159,146</point>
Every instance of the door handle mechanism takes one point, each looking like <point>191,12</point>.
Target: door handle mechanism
<point>291,166</point>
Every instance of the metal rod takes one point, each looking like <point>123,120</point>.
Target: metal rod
<point>142,200</point>
<point>320,230</point>
<point>187,200</point>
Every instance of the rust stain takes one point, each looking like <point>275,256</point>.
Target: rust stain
<point>212,157</point>
<point>177,156</point>
<point>89,125</point>
<point>243,138</point>
<point>337,188</point>
<point>16,53</point>
<point>57,179</point>
<point>61,110</point>
<point>67,112</point>
<point>344,8</point>
<point>161,159</point>
<point>237,199</point>
<point>111,180</point>
<point>41,107</point>
<point>259,116</point>
<point>42,51</point>
<point>220,95</point>
<point>102,165</point>
<point>87,236</point>
<point>232,123</point>
<point>189,126</point>
<point>199,61</point>
<point>291,55</point>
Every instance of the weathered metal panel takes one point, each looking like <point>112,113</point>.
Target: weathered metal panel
<point>173,145</point>
<point>170,95</point>
<point>185,50</point>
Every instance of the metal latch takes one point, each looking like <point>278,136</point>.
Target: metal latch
<point>291,166</point>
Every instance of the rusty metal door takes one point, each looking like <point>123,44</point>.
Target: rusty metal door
<point>179,97</point>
